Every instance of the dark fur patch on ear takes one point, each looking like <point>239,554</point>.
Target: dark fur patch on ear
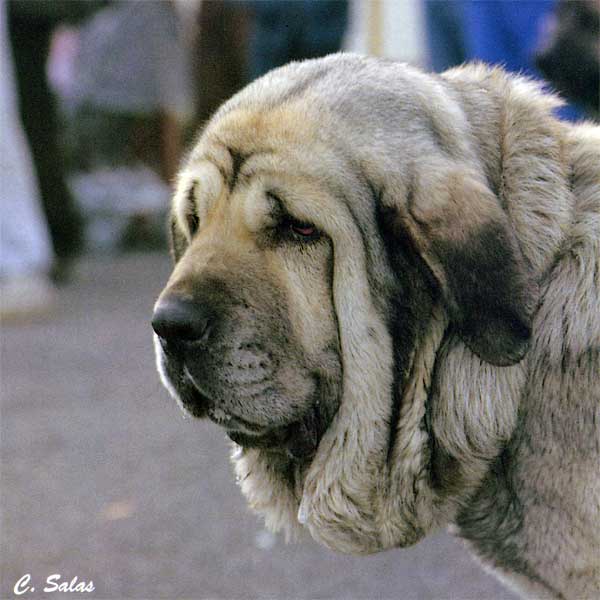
<point>178,241</point>
<point>488,297</point>
<point>470,245</point>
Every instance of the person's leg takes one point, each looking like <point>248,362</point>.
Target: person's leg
<point>30,44</point>
<point>25,249</point>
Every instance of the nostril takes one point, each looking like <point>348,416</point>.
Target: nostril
<point>179,319</point>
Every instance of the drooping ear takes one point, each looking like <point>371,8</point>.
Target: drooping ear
<point>465,238</point>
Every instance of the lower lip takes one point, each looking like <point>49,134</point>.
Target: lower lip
<point>234,424</point>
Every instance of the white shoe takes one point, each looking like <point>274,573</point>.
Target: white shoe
<point>26,297</point>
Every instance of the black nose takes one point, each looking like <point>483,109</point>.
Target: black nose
<point>178,319</point>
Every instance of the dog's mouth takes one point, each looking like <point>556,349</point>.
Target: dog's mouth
<point>297,440</point>
<point>234,423</point>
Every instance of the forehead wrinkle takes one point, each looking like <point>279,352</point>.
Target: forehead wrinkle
<point>306,198</point>
<point>297,182</point>
<point>242,167</point>
<point>237,162</point>
<point>227,156</point>
<point>278,167</point>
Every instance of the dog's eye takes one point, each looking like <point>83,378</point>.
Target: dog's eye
<point>301,230</point>
<point>289,228</point>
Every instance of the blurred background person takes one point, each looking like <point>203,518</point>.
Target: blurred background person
<point>569,52</point>
<point>132,70</point>
<point>495,31</point>
<point>31,25</point>
<point>131,101</point>
<point>286,30</point>
<point>25,247</point>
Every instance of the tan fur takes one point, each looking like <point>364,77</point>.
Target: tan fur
<point>500,204</point>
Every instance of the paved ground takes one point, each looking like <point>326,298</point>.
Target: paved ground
<point>103,479</point>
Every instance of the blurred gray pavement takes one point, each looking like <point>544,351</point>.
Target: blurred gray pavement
<point>103,479</point>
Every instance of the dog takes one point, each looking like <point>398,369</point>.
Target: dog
<point>387,291</point>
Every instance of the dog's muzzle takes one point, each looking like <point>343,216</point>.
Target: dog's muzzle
<point>185,329</point>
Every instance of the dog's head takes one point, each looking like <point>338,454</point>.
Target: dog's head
<point>246,327</point>
<point>317,225</point>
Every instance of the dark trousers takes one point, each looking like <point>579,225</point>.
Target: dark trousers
<point>30,39</point>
